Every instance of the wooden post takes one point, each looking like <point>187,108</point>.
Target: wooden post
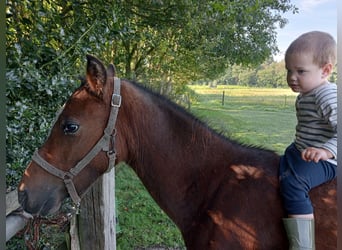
<point>12,201</point>
<point>94,227</point>
<point>14,222</point>
<point>223,98</point>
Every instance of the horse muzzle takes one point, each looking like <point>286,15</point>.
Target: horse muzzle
<point>41,197</point>
<point>46,207</point>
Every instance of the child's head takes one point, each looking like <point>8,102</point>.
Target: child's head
<point>309,61</point>
<point>320,45</point>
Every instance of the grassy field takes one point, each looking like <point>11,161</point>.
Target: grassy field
<point>263,117</point>
<point>258,116</point>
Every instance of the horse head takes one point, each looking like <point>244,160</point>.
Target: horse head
<point>80,143</point>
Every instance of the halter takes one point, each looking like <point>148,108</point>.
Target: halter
<point>105,143</point>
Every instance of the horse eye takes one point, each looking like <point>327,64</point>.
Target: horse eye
<point>70,128</point>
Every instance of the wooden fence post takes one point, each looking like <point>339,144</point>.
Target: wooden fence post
<point>94,227</point>
<point>14,221</point>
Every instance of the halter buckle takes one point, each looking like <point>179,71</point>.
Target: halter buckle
<point>116,100</point>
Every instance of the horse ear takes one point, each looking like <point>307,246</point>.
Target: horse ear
<point>96,75</point>
<point>111,71</point>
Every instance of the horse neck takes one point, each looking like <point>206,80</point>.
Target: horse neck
<point>179,160</point>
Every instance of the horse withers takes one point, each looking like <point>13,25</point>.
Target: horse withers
<point>221,194</point>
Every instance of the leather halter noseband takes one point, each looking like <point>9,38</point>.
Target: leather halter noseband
<point>105,143</point>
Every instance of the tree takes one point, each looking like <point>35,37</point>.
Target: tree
<point>168,43</point>
<point>269,74</point>
<point>272,74</point>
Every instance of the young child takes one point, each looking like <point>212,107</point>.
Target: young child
<point>312,158</point>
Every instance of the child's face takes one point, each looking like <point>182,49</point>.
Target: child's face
<point>302,74</point>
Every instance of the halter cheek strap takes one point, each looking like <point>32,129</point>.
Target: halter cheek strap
<point>105,143</point>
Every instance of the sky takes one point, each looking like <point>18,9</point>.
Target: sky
<point>313,15</point>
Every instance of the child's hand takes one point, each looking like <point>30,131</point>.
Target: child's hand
<point>316,154</point>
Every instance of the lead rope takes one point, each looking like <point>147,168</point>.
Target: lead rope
<point>31,232</point>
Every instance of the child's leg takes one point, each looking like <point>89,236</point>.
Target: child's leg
<point>298,177</point>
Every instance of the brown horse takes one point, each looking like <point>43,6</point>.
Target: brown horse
<point>221,194</point>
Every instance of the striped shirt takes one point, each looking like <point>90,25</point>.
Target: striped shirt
<point>317,119</point>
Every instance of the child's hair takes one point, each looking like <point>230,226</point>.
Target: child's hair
<point>320,44</point>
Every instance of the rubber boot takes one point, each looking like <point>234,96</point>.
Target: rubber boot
<point>300,232</point>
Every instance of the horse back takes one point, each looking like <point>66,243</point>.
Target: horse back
<point>246,213</point>
<point>324,199</point>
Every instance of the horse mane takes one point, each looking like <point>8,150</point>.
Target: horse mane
<point>165,102</point>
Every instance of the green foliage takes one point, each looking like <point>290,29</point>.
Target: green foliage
<point>165,44</point>
<point>46,44</point>
<point>269,74</point>
<point>32,100</point>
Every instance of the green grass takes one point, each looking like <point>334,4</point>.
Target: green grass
<point>262,117</point>
<point>258,116</point>
<point>142,223</point>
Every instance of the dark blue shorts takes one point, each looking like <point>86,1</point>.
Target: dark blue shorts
<point>297,177</point>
